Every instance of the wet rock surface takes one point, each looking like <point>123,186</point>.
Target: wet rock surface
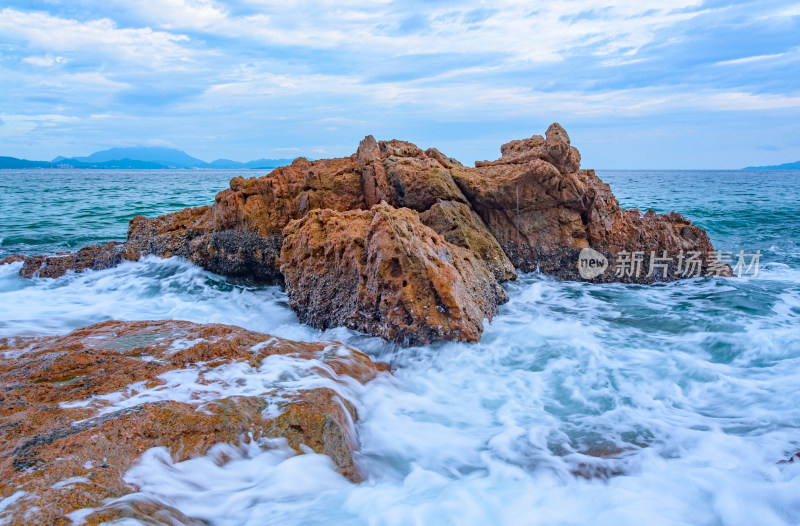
<point>237,253</point>
<point>532,209</point>
<point>15,258</point>
<point>73,418</point>
<point>93,257</point>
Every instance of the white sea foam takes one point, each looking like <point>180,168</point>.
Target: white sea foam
<point>69,481</point>
<point>11,499</point>
<point>582,404</point>
<point>202,383</point>
<point>150,289</point>
<point>183,343</point>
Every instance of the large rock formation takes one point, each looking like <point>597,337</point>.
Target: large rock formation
<point>403,175</point>
<point>69,430</point>
<point>544,210</point>
<point>383,272</point>
<point>532,209</point>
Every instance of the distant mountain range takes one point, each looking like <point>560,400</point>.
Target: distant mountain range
<point>787,166</point>
<point>143,158</point>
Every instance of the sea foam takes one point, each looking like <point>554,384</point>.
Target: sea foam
<point>602,404</point>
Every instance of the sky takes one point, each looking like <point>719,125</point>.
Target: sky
<point>637,83</point>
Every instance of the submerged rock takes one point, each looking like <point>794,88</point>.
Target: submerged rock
<point>532,209</point>
<point>16,258</point>
<point>93,257</point>
<point>385,273</point>
<point>71,427</point>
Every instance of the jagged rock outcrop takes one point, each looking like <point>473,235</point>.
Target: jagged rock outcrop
<point>544,210</point>
<point>193,234</point>
<point>67,446</point>
<point>531,208</point>
<point>403,175</point>
<point>459,225</point>
<point>239,236</point>
<point>383,272</point>
<point>534,208</point>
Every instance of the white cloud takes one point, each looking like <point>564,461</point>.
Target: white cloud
<point>297,72</point>
<point>793,53</point>
<point>333,99</point>
<point>102,37</point>
<point>789,11</point>
<point>93,81</point>
<point>16,125</point>
<point>744,101</point>
<point>170,14</point>
<point>44,60</point>
<point>616,27</point>
<point>746,60</point>
<point>636,102</point>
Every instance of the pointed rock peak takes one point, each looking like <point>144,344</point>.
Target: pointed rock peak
<point>560,153</point>
<point>368,150</point>
<point>556,133</point>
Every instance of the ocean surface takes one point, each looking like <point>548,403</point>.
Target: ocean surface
<point>583,404</point>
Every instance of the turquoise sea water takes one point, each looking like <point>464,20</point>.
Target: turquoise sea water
<point>583,404</point>
<point>44,211</point>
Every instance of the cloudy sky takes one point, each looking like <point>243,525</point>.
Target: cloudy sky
<point>636,83</point>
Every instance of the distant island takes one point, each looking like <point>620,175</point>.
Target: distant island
<point>786,166</point>
<point>140,158</point>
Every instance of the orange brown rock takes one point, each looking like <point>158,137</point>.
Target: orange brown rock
<point>532,209</point>
<point>16,258</point>
<point>543,210</point>
<point>459,225</point>
<point>95,257</point>
<point>73,456</point>
<point>387,274</point>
